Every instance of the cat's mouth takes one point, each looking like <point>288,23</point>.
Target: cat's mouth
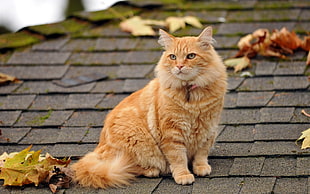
<point>183,74</point>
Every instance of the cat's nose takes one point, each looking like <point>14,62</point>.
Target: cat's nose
<point>180,66</point>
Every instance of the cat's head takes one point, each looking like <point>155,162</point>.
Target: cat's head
<point>188,60</point>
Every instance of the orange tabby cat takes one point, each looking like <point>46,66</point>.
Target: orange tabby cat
<point>167,125</point>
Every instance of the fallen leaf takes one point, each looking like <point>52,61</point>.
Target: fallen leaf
<point>306,43</point>
<point>143,27</point>
<point>27,167</point>
<point>59,178</point>
<point>238,63</point>
<point>193,21</point>
<point>245,42</point>
<point>286,39</point>
<point>305,139</point>
<point>4,78</point>
<point>256,43</point>
<point>140,27</point>
<point>279,44</point>
<point>176,23</point>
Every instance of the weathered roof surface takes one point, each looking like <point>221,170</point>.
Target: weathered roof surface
<point>255,151</point>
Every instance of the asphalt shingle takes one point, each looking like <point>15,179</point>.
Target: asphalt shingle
<point>35,72</point>
<point>255,150</point>
<point>38,58</point>
<point>247,166</point>
<point>265,68</point>
<point>252,99</point>
<point>218,185</point>
<point>239,133</point>
<point>290,99</point>
<point>258,185</point>
<point>86,119</point>
<point>8,118</point>
<point>279,167</point>
<point>13,135</point>
<point>290,185</point>
<point>16,102</point>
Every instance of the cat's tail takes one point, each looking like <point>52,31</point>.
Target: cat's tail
<point>96,170</point>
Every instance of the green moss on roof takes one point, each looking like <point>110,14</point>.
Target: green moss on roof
<point>18,39</point>
<point>66,27</point>
<point>117,12</point>
<point>217,5</point>
<point>145,3</point>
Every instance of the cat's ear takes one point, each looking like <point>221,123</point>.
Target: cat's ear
<point>205,38</point>
<point>165,39</point>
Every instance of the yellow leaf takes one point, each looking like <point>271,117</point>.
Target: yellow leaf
<point>175,23</point>
<point>191,20</point>
<point>305,138</point>
<point>142,27</point>
<point>27,167</point>
<point>139,27</point>
<point>238,63</point>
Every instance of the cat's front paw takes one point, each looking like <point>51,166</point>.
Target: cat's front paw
<point>202,170</point>
<point>184,179</point>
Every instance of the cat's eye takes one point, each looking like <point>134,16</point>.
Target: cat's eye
<point>191,56</point>
<point>173,57</point>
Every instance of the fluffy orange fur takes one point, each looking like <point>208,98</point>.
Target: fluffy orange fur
<point>169,124</point>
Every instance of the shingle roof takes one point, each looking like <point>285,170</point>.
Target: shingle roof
<point>255,151</point>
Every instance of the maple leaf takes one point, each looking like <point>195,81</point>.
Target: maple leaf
<point>140,27</point>
<point>286,39</point>
<point>306,43</point>
<point>238,63</point>
<point>176,23</point>
<point>305,139</point>
<point>259,42</point>
<point>27,167</point>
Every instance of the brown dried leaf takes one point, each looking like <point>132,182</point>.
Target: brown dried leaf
<point>263,43</point>
<point>4,78</point>
<point>59,178</point>
<point>271,52</point>
<point>253,44</point>
<point>306,43</point>
<point>245,42</point>
<point>286,39</point>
